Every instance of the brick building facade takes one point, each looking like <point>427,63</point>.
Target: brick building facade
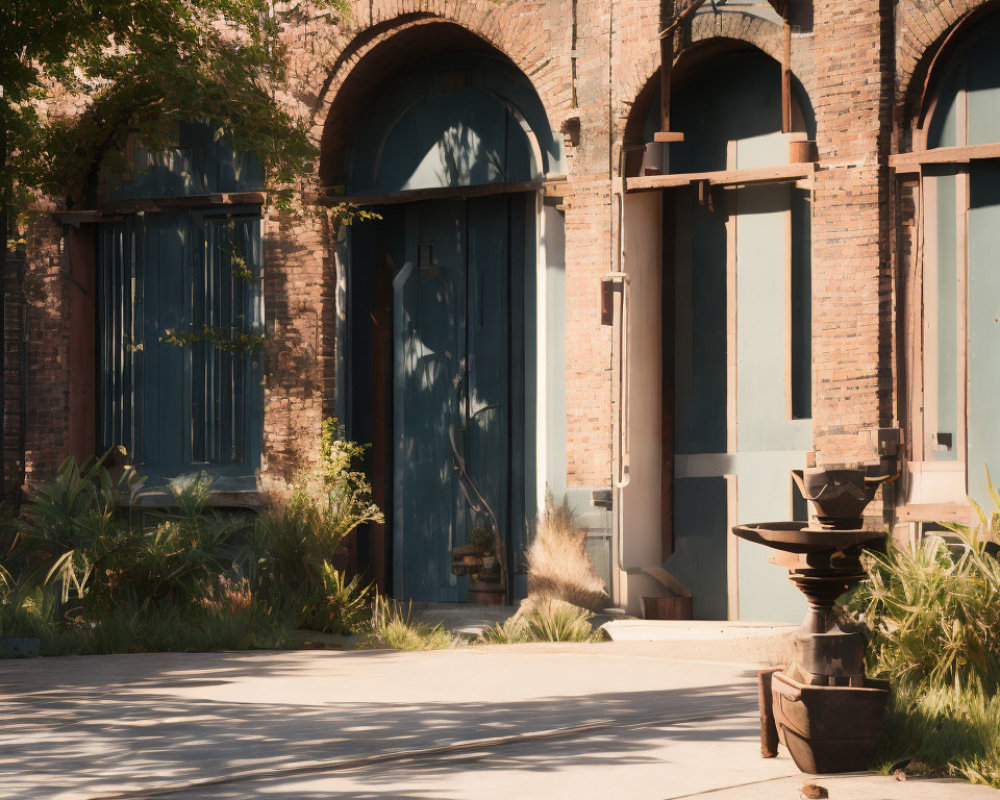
<point>866,79</point>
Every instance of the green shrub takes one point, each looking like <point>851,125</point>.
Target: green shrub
<point>339,606</point>
<point>933,610</point>
<point>945,732</point>
<point>934,613</point>
<point>86,570</point>
<point>303,534</point>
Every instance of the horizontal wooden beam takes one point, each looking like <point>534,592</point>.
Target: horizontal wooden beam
<point>668,137</point>
<point>778,174</point>
<point>79,217</point>
<point>935,512</point>
<point>437,193</point>
<point>912,162</point>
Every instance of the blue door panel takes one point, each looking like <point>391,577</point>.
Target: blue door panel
<point>984,330</point>
<point>456,376</point>
<point>180,407</point>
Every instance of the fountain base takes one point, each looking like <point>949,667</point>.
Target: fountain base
<point>829,729</point>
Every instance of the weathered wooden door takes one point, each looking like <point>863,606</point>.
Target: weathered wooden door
<point>180,313</point>
<point>457,378</point>
<point>983,330</point>
<point>741,373</point>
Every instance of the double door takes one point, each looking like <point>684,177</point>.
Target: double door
<point>458,392</point>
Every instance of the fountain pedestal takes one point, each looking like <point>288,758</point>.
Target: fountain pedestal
<point>828,713</point>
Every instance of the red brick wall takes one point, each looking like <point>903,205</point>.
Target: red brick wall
<point>46,288</point>
<point>299,359</point>
<point>849,230</point>
<point>855,65</point>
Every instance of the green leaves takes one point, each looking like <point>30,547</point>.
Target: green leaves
<point>81,77</point>
<point>934,611</point>
<point>338,605</point>
<point>227,339</point>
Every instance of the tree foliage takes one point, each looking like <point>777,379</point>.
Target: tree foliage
<point>135,68</point>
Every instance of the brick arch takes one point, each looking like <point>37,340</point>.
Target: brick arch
<point>763,34</point>
<point>643,85</point>
<point>923,28</point>
<point>371,55</point>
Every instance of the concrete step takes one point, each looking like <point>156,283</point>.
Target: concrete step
<point>768,644</point>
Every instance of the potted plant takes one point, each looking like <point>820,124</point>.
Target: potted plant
<point>479,560</point>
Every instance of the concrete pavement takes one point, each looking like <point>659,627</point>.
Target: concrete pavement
<point>617,719</point>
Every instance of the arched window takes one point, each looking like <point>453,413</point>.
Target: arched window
<point>453,121</point>
<point>736,314</point>
<point>954,381</point>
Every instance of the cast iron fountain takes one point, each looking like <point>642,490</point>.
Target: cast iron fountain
<point>824,709</point>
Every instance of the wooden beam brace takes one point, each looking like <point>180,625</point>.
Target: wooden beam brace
<point>912,162</point>
<point>779,174</point>
<point>437,193</point>
<point>935,512</point>
<point>666,66</point>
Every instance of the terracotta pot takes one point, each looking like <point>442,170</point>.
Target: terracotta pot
<point>486,593</point>
<point>666,607</point>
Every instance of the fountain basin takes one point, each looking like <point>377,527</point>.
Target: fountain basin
<point>798,537</point>
<point>830,729</point>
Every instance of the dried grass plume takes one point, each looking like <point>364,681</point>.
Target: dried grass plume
<point>558,566</point>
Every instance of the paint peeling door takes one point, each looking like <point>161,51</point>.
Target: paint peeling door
<point>455,343</point>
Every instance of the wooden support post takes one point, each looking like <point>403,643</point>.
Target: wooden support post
<point>786,80</point>
<point>765,699</point>
<point>668,331</point>
<point>665,135</point>
<point>666,64</point>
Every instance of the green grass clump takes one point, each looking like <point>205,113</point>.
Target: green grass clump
<point>398,629</point>
<point>946,731</point>
<point>545,621</point>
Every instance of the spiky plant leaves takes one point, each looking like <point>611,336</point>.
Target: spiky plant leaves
<point>398,629</point>
<point>543,620</point>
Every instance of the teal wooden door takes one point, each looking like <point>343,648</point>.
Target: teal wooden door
<point>454,327</point>
<point>984,330</point>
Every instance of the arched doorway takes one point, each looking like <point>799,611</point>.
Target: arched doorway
<point>953,369</point>
<point>733,300</point>
<point>442,350</point>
